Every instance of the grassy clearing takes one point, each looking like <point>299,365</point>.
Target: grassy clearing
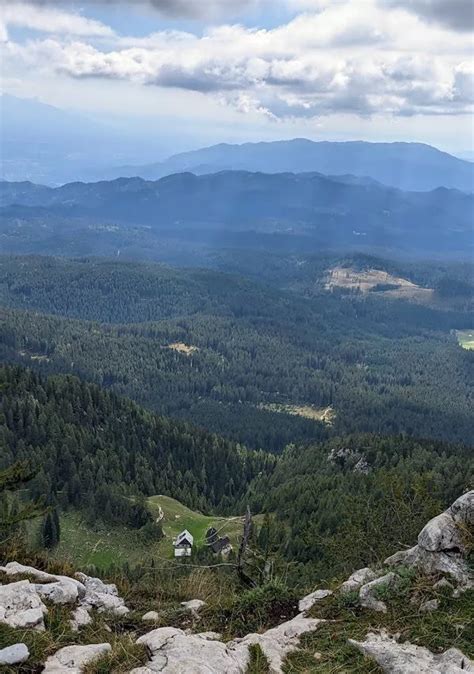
<point>368,279</point>
<point>324,414</point>
<point>178,517</point>
<point>466,338</point>
<point>105,546</point>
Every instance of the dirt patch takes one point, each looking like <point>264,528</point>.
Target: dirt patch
<point>180,347</point>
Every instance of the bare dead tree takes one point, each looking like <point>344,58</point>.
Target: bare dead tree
<point>243,547</point>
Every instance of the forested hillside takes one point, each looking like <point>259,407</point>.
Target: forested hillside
<point>100,455</point>
<point>97,452</point>
<point>388,485</point>
<point>255,363</point>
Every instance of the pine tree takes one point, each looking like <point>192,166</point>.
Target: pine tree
<point>11,512</point>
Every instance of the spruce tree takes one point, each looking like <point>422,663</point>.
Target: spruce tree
<point>50,530</point>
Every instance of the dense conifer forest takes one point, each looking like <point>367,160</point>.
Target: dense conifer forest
<point>101,455</point>
<point>93,450</point>
<point>231,354</point>
<point>125,380</point>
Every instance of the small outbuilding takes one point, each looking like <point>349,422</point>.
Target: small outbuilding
<point>216,543</point>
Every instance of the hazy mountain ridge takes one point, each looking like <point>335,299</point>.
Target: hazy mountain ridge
<point>237,209</point>
<point>408,166</point>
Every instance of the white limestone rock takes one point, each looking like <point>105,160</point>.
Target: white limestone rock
<point>358,578</point>
<point>151,615</point>
<point>193,605</point>
<point>429,606</point>
<point>462,510</point>
<point>440,534</point>
<point>21,605</point>
<point>72,659</point>
<point>367,592</point>
<point>440,545</point>
<point>310,600</point>
<point>13,655</point>
<point>16,569</point>
<point>80,618</point>
<point>395,658</point>
<point>55,588</point>
<point>277,642</point>
<point>59,592</point>
<point>102,596</point>
<point>451,563</point>
<point>176,652</point>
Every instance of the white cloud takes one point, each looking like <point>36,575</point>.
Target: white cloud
<point>358,58</point>
<point>49,20</point>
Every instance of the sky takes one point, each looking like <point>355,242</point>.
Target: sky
<point>237,70</point>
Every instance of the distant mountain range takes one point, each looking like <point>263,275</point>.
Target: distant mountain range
<point>408,166</point>
<point>287,211</point>
<point>52,146</point>
<point>43,143</point>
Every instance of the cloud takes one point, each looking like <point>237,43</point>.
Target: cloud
<point>454,14</point>
<point>174,8</point>
<point>361,59</point>
<point>50,20</point>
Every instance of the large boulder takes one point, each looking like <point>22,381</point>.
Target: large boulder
<point>21,605</point>
<point>72,659</point>
<point>55,588</point>
<point>462,510</point>
<point>441,534</point>
<point>441,547</point>
<point>395,658</point>
<point>102,596</point>
<point>14,655</point>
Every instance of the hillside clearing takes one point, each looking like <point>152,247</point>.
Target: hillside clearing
<point>104,546</point>
<point>185,349</point>
<point>369,280</point>
<point>177,517</point>
<point>466,339</point>
<point>324,414</point>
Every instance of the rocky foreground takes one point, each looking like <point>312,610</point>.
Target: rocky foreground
<point>440,554</point>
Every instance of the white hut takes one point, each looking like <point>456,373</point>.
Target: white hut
<point>183,544</point>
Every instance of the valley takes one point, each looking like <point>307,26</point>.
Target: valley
<point>230,353</point>
<point>236,337</point>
